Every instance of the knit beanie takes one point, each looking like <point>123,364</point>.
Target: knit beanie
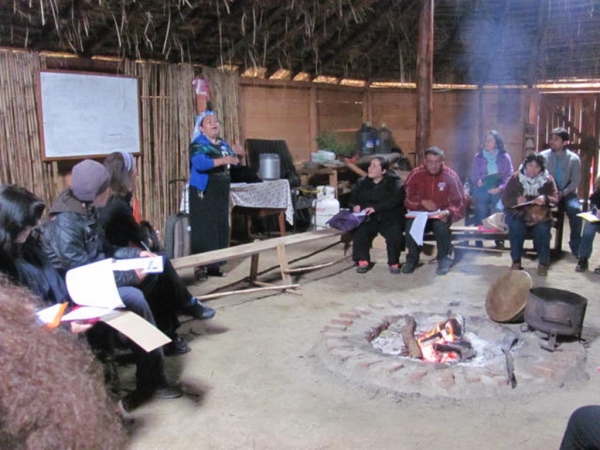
<point>89,179</point>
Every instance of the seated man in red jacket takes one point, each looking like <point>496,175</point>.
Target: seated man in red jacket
<point>433,187</point>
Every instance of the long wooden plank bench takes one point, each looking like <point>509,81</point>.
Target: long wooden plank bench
<point>254,250</point>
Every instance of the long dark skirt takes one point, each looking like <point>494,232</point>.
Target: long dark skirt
<point>209,216</point>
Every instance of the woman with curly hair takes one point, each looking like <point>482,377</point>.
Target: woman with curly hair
<point>52,395</point>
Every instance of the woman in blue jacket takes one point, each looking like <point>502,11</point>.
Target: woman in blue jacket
<point>210,159</point>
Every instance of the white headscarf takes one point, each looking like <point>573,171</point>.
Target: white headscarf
<point>197,126</point>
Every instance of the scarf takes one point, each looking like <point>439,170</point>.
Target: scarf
<point>532,186</point>
<point>492,161</point>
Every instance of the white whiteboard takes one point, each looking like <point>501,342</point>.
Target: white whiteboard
<point>87,115</point>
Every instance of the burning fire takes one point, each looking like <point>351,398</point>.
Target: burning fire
<point>445,343</point>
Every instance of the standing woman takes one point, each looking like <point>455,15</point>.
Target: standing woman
<point>210,159</point>
<point>491,170</point>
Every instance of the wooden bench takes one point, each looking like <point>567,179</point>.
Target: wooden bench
<point>254,250</point>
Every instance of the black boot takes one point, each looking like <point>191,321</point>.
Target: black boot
<point>582,265</point>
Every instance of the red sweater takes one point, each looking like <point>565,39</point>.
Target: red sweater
<point>445,189</point>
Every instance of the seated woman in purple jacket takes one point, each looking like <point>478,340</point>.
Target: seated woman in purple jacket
<point>491,170</point>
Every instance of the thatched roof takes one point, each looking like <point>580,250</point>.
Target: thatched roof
<point>476,41</point>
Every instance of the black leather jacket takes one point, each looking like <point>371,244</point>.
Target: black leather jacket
<point>73,237</point>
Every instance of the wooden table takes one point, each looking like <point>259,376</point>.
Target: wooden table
<point>262,200</point>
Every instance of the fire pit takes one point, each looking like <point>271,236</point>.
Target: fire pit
<point>444,342</point>
<point>461,358</point>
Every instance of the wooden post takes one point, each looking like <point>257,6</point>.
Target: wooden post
<point>283,264</point>
<point>424,78</point>
<point>313,117</point>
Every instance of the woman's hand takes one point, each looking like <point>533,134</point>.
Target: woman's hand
<point>541,200</point>
<point>140,274</point>
<point>479,183</point>
<point>239,149</point>
<point>227,160</point>
<point>494,191</point>
<point>368,211</point>
<point>356,209</point>
<point>521,199</point>
<point>78,327</point>
<point>146,254</point>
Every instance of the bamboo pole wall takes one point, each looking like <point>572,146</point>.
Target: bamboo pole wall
<point>167,114</point>
<point>166,111</point>
<point>20,146</point>
<point>225,98</point>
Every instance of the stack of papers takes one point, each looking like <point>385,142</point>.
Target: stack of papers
<point>93,288</point>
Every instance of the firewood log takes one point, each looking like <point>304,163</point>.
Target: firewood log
<point>408,337</point>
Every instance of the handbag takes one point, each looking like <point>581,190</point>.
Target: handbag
<point>346,220</point>
<point>534,214</point>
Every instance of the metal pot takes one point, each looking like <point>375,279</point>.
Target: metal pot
<point>555,312</point>
<point>270,166</point>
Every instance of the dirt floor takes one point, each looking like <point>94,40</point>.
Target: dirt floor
<point>261,384</point>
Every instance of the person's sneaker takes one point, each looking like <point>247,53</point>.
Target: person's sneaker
<point>408,267</point>
<point>176,347</point>
<point>199,311</point>
<point>200,273</point>
<point>395,269</point>
<point>500,245</point>
<point>516,266</point>
<point>443,266</point>
<point>582,265</point>
<point>138,397</point>
<point>363,267</point>
<point>214,272</point>
<point>166,391</point>
<point>542,270</point>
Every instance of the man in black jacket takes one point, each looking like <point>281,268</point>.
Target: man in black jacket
<point>380,196</point>
<point>73,237</point>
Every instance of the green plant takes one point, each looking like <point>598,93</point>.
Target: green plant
<point>328,141</point>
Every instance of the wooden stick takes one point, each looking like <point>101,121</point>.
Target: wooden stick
<point>356,169</point>
<point>318,266</point>
<point>247,291</point>
<point>408,337</point>
<point>481,249</point>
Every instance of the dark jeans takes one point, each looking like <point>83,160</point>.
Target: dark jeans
<point>441,233</point>
<point>587,239</point>
<point>149,371</point>
<point>167,294</point>
<point>517,232</point>
<point>485,204</point>
<point>364,235</point>
<point>571,206</point>
<point>583,432</point>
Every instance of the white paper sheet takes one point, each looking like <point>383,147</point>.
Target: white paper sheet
<point>146,265</point>
<point>94,285</point>
<point>47,315</point>
<point>417,229</point>
<point>86,313</point>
